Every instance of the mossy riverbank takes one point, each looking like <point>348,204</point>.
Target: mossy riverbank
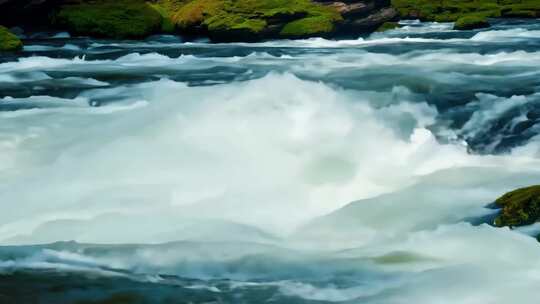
<point>253,20</point>
<point>220,19</point>
<point>252,17</point>
<point>453,10</point>
<point>250,20</point>
<point>118,19</point>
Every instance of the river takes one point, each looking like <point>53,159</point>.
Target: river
<point>294,171</point>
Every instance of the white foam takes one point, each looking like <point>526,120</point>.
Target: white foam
<point>197,148</point>
<point>226,168</point>
<point>490,108</point>
<point>506,35</point>
<point>61,35</point>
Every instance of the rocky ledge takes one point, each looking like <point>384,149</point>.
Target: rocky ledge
<point>467,14</point>
<point>250,20</point>
<point>362,16</point>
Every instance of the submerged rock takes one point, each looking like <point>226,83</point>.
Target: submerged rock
<point>8,41</point>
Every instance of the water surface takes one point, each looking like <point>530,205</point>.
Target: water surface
<point>224,173</point>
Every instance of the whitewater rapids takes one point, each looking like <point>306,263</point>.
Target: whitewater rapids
<point>310,171</point>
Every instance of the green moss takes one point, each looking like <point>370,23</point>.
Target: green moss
<point>319,21</point>
<point>8,41</point>
<point>195,12</point>
<point>519,207</point>
<point>388,26</point>
<point>252,16</point>
<point>517,13</point>
<point>308,26</point>
<point>471,22</point>
<point>118,19</point>
<point>235,22</point>
<point>167,26</point>
<point>221,19</point>
<point>452,10</point>
<point>521,9</point>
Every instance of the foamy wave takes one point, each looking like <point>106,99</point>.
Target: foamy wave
<point>505,35</point>
<point>280,116</point>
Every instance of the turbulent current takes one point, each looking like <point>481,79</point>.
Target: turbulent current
<point>308,171</point>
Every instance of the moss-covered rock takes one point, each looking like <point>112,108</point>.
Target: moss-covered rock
<point>167,26</point>
<point>221,20</point>
<point>8,41</point>
<point>521,9</point>
<point>196,12</point>
<point>309,26</point>
<point>113,19</point>
<point>471,22</point>
<point>519,207</point>
<point>227,20</point>
<point>452,10</point>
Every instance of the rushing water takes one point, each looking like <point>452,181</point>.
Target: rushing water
<point>233,167</point>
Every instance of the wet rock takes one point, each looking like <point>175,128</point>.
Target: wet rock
<point>369,23</point>
<point>353,9</point>
<point>519,207</point>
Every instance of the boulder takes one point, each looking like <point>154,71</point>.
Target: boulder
<point>369,23</point>
<point>519,207</point>
<point>352,9</point>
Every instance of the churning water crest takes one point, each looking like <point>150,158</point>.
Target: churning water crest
<point>234,166</point>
